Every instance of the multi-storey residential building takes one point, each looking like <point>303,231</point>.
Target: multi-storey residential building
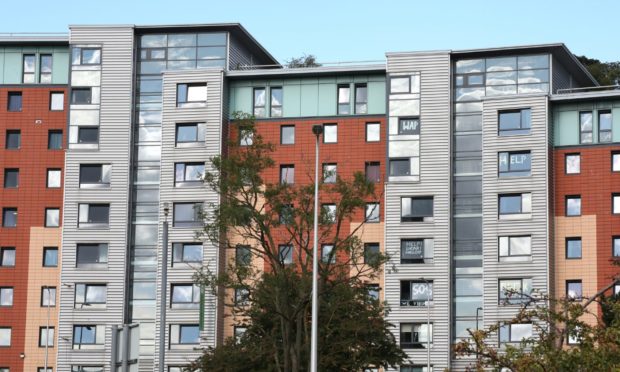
<point>33,80</point>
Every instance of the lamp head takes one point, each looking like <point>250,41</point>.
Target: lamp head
<point>317,129</point>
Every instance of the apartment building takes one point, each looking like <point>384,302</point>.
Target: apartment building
<point>33,109</point>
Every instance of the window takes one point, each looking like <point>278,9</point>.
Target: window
<point>329,213</point>
<point>326,253</point>
<point>45,69</point>
<point>93,215</point>
<point>413,251</point>
<point>95,175</point>
<point>512,164</point>
<point>415,369</point>
<point>287,135</point>
<point>287,214</point>
<point>7,257</point>
<point>361,99</point>
<point>259,102</point>
<point>511,333</point>
<point>11,178</point>
<point>192,134</point>
<point>5,336</point>
<point>573,248</point>
<point>371,253</point>
<point>191,95</point>
<point>184,334</point>
<point>246,137</point>
<point>88,336</point>
<point>572,163</point>
<point>276,102</point>
<point>88,135</point>
<point>515,205</point>
<point>585,127</point>
<point>50,257</point>
<point>372,212</point>
<point>14,103</point>
<point>344,99</point>
<point>415,335</point>
<point>400,84</point>
<point>91,369</point>
<point>91,255</point>
<point>604,126</point>
<point>186,253</point>
<point>81,96</point>
<point>330,133</point>
<point>187,214</point>
<point>417,209</point>
<point>373,171</point>
<point>400,167</point>
<point>513,122</point>
<point>46,336</point>
<point>13,139</point>
<point>48,296</point>
<point>238,332</point>
<point>184,296</point>
<point>330,172</point>
<point>287,174</point>
<point>29,68</point>
<point>42,369</point>
<point>514,291</point>
<point>374,291</point>
<point>90,295</point>
<point>415,292</point>
<point>6,296</point>
<point>52,217</point>
<point>513,248</point>
<point>616,246</point>
<point>243,255</point>
<point>615,200</point>
<point>57,101</point>
<point>615,161</point>
<point>573,289</point>
<point>409,126</point>
<point>373,132</point>
<point>285,254</point>
<point>86,56</point>
<point>54,177</point>
<point>186,174</point>
<point>9,217</point>
<point>573,205</point>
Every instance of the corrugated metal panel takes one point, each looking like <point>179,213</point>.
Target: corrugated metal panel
<point>560,78</point>
<point>114,145</point>
<point>238,54</point>
<point>435,181</point>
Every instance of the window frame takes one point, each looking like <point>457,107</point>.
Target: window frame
<point>601,131</point>
<point>341,110</point>
<point>517,298</point>
<point>614,154</point>
<point>6,210</point>
<point>11,106</point>
<point>47,336</point>
<point>10,333</point>
<point>572,154</point>
<point>416,218</point>
<point>272,113</point>
<point>81,345</point>
<point>51,107</point>
<point>285,177</point>
<point>259,107</point>
<point>194,302</point>
<point>49,249</point>
<point>13,132</point>
<point>512,215</point>
<point>419,344</point>
<point>521,130</point>
<point>615,253</point>
<point>51,296</point>
<point>370,124</point>
<point>187,223</point>
<point>510,172</point>
<point>93,265</point>
<point>357,102</point>
<point>427,253</point>
<point>330,125</point>
<point>200,129</point>
<point>47,178</point>
<point>396,160</point>
<point>101,183</point>
<point>3,255</point>
<point>417,127</point>
<point>371,251</point>
<point>46,73</point>
<point>288,257</point>
<point>369,164</point>
<point>330,176</point>
<point>570,197</point>
<point>185,102</point>
<point>240,260</point>
<point>568,284</point>
<point>182,245</point>
<point>89,97</point>
<point>406,287</point>
<point>508,327</point>
<point>81,51</point>
<point>567,240</point>
<point>48,210</point>
<point>81,128</point>
<point>15,172</point>
<point>375,212</point>
<point>614,204</point>
<point>12,295</point>
<point>188,182</point>
<point>89,223</point>
<point>282,129</point>
<point>582,132</point>
<point>29,73</point>
<point>85,302</point>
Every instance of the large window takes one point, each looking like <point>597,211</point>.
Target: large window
<point>52,217</point>
<point>191,95</point>
<point>259,102</point>
<point>416,251</point>
<point>184,334</point>
<point>400,167</point>
<point>5,336</point>
<point>9,217</point>
<point>188,174</point>
<point>514,291</point>
<point>585,127</point>
<point>48,296</point>
<point>86,56</point>
<point>573,248</point>
<point>287,174</point>
<point>186,253</point>
<point>287,135</point>
<point>94,215</point>
<point>184,296</point>
<point>6,296</point>
<point>276,102</point>
<point>11,178</point>
<point>14,103</point>
<point>88,135</point>
<point>46,336</point>
<point>92,255</point>
<point>574,289</point>
<point>45,69</point>
<point>418,209</point>
<point>361,99</point>
<point>515,248</point>
<point>330,172</point>
<point>54,178</point>
<point>88,336</point>
<point>190,134</point>
<point>573,205</point>
<point>50,257</point>
<point>515,205</point>
<point>344,99</point>
<point>409,126</point>
<point>285,254</point>
<point>416,292</point>
<point>515,333</point>
<point>330,133</point>
<point>90,295</point>
<point>513,122</point>
<point>187,214</point>
<point>7,257</point>
<point>373,171</point>
<point>514,164</point>
<point>373,132</point>
<point>572,163</point>
<point>54,140</point>
<point>81,96</point>
<point>604,126</point>
<point>95,175</point>
<point>28,69</point>
<point>13,139</point>
<point>415,335</point>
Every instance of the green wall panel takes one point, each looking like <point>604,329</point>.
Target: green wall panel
<point>309,100</point>
<point>566,121</point>
<point>1,66</point>
<point>12,68</point>
<point>291,100</point>
<point>60,67</point>
<point>11,63</point>
<point>615,129</point>
<point>567,128</point>
<point>327,99</point>
<point>376,97</point>
<point>243,100</point>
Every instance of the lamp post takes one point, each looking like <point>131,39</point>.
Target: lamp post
<point>47,326</point>
<point>164,280</point>
<point>477,327</point>
<point>428,324</point>
<point>317,130</point>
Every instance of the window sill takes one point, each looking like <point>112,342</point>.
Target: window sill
<point>516,216</point>
<point>181,145</point>
<point>94,226</point>
<point>94,185</point>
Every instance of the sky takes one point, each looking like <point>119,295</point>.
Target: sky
<point>353,30</point>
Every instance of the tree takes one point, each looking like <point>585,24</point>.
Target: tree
<point>273,300</point>
<point>606,73</point>
<point>596,345</point>
<point>307,60</point>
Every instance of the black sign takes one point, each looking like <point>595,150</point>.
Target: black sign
<point>413,249</point>
<point>409,126</point>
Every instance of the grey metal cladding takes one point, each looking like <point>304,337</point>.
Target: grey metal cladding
<point>560,78</point>
<point>537,184</point>
<point>238,54</point>
<point>114,146</point>
<point>435,139</point>
<point>211,114</point>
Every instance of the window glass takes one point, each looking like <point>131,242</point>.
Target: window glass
<point>81,96</point>
<point>373,171</point>
<point>585,127</point>
<point>28,68</point>
<point>90,295</point>
<point>330,133</point>
<point>573,163</point>
<point>416,208</point>
<point>513,122</point>
<point>373,132</point>
<point>615,203</point>
<point>7,257</point>
<point>54,177</point>
<point>46,338</point>
<point>50,257</point>
<point>615,162</point>
<point>243,255</point>
<point>616,246</point>
<point>186,252</point>
<point>330,173</point>
<point>189,133</point>
<point>573,205</point>
<point>287,134</point>
<point>514,204</point>
<point>48,296</point>
<point>14,101</point>
<point>361,99</point>
<point>287,174</point>
<point>91,254</point>
<point>94,175</point>
<point>9,217</point>
<point>259,102</point>
<point>13,139</point>
<point>515,246</point>
<point>285,254</point>
<point>54,140</point>
<point>5,336</point>
<point>6,296</point>
<point>185,296</point>
<point>191,95</point>
<point>372,212</point>
<point>84,335</point>
<point>514,164</point>
<point>415,335</point>
<point>326,253</point>
<point>11,178</point>
<point>57,101</point>
<point>88,135</point>
<point>91,56</point>
<point>400,167</point>
<point>573,247</point>
<point>45,69</point>
<point>276,102</point>
<point>409,126</point>
<point>187,214</point>
<point>189,172</point>
<point>246,137</point>
<point>573,289</point>
<point>412,251</point>
<point>52,217</point>
<point>344,100</point>
<point>371,252</point>
<point>514,291</point>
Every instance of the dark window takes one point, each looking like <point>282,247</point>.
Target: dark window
<point>86,56</point>
<point>14,101</point>
<point>11,178</point>
<point>416,209</point>
<point>373,132</point>
<point>13,139</point>
<point>191,95</point>
<point>585,127</point>
<point>514,291</point>
<point>184,296</point>
<point>187,214</point>
<point>90,295</point>
<point>573,248</point>
<point>414,251</point>
<point>88,135</point>
<point>9,217</point>
<point>371,253</point>
<point>242,296</point>
<point>50,256</point>
<point>28,69</point>
<point>287,214</point>
<point>409,126</point>
<point>285,254</point>
<point>45,69</point>
<point>276,102</point>
<point>604,126</point>
<point>287,174</point>
<point>186,252</point>
<point>190,134</point>
<point>95,175</point>
<point>330,133</point>
<point>344,99</point>
<point>415,335</point>
<point>92,255</point>
<point>57,101</point>
<point>287,135</point>
<point>330,172</point>
<point>400,167</point>
<point>7,257</point>
<point>54,140</point>
<point>259,102</point>
<point>361,99</point>
<point>188,173</point>
<point>574,290</point>
<point>512,164</point>
<point>374,291</point>
<point>93,214</point>
<point>573,205</point>
<point>243,255</point>
<point>52,217</point>
<point>513,122</point>
<point>572,163</point>
<point>373,171</point>
<point>81,96</point>
<point>415,292</point>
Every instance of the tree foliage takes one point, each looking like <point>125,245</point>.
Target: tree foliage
<point>276,305</point>
<point>606,73</point>
<point>307,60</point>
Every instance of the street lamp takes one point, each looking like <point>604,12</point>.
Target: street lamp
<point>47,326</point>
<point>428,324</point>
<point>317,130</point>
<point>164,280</point>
